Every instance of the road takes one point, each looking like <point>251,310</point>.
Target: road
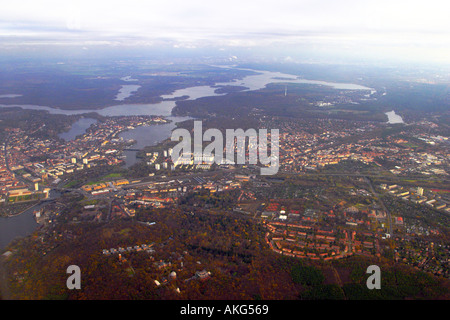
<point>388,214</point>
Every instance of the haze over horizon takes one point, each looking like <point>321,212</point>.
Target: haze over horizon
<point>404,30</point>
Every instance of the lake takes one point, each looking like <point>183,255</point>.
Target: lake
<point>126,91</point>
<point>21,225</point>
<point>78,128</point>
<point>393,117</point>
<point>259,81</point>
<point>11,95</point>
<point>16,227</point>
<point>148,136</point>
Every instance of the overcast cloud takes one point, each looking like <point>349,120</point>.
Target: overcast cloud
<point>422,26</point>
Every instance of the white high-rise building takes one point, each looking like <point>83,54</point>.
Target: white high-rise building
<point>419,191</point>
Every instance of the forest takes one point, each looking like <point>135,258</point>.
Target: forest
<point>229,246</point>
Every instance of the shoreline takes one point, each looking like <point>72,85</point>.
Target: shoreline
<point>23,211</point>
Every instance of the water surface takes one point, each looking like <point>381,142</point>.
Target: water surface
<point>393,117</point>
<point>148,136</point>
<point>16,227</point>
<point>78,128</point>
<point>126,91</point>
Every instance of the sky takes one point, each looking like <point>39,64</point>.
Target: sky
<point>413,29</point>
